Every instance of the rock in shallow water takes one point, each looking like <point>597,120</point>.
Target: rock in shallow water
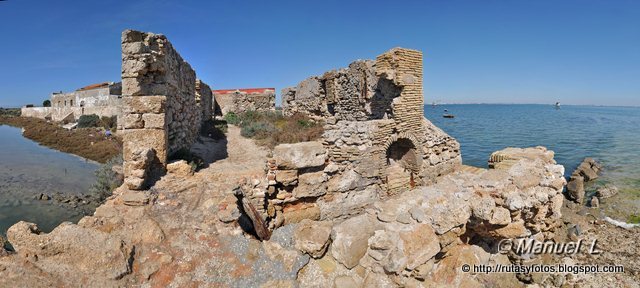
<point>607,191</point>
<point>575,188</point>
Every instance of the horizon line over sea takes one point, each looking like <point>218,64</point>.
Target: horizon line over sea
<point>608,134</point>
<point>427,103</point>
<point>543,104</point>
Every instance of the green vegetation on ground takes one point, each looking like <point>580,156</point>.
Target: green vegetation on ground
<point>107,122</point>
<point>10,112</point>
<point>107,180</point>
<point>87,121</point>
<point>272,128</point>
<point>93,120</point>
<point>214,129</point>
<point>634,219</point>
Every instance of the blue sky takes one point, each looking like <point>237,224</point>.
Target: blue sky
<point>575,52</point>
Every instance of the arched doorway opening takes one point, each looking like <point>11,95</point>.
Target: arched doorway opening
<point>403,165</point>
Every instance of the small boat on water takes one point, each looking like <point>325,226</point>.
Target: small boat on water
<point>557,105</point>
<point>447,115</point>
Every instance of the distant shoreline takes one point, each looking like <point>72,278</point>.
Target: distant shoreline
<point>86,143</point>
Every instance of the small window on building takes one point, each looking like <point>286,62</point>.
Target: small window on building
<point>70,102</point>
<point>65,102</point>
<point>81,103</point>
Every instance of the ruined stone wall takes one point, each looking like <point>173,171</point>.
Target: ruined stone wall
<point>374,113</point>
<point>160,114</point>
<point>350,93</point>
<point>204,99</point>
<point>242,100</point>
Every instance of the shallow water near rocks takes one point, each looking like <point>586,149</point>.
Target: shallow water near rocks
<point>27,170</point>
<point>611,135</point>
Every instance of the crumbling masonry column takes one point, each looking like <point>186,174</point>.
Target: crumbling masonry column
<point>160,114</point>
<point>404,68</point>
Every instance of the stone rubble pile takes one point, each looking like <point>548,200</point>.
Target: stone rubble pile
<point>422,237</point>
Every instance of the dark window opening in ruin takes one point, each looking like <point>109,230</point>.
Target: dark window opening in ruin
<point>81,103</point>
<point>332,109</point>
<point>403,153</point>
<point>70,102</point>
<point>382,100</point>
<point>403,166</point>
<point>65,103</point>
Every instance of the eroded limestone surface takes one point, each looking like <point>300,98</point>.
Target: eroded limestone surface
<point>185,231</point>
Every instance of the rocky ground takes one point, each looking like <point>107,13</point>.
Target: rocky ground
<point>189,231</point>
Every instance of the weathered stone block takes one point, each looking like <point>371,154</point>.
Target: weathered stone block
<point>312,237</point>
<point>349,180</point>
<point>300,155</point>
<point>311,212</point>
<point>134,48</point>
<point>311,185</point>
<point>420,245</point>
<point>132,36</point>
<point>144,104</point>
<point>180,168</point>
<point>134,85</point>
<point>132,121</point>
<point>350,240</point>
<point>154,121</point>
<point>287,177</point>
<point>151,138</point>
<point>73,250</point>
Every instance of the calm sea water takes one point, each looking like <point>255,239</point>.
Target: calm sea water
<point>28,169</point>
<point>611,135</point>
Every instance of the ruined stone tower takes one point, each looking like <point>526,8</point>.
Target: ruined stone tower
<point>375,129</point>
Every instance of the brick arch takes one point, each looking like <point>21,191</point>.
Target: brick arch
<point>408,143</point>
<point>395,137</point>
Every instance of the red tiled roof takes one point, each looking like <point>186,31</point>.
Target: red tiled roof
<point>94,86</point>
<point>244,90</point>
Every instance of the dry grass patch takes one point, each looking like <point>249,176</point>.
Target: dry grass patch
<point>272,128</point>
